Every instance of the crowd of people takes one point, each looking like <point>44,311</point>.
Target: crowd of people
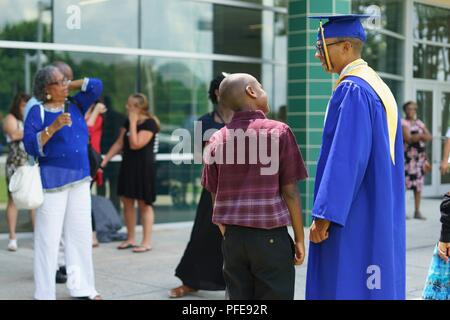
<point>240,241</point>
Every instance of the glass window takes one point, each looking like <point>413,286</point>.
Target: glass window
<point>177,89</point>
<point>384,53</point>
<point>431,62</point>
<point>278,98</point>
<point>17,69</point>
<point>25,20</point>
<point>445,125</point>
<point>396,88</point>
<point>201,27</point>
<point>246,31</point>
<point>271,3</point>
<point>431,23</point>
<point>391,12</point>
<point>103,23</point>
<point>177,25</point>
<point>424,101</point>
<point>280,31</point>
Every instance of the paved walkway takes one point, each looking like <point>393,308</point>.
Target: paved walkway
<point>126,275</point>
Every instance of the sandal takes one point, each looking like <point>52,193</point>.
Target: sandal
<point>140,249</point>
<point>96,297</point>
<point>126,245</point>
<point>181,291</point>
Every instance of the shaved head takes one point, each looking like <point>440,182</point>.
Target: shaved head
<point>241,90</point>
<point>65,69</point>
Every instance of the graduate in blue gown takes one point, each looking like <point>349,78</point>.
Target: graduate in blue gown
<point>357,248</point>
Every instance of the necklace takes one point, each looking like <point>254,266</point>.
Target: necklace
<point>220,116</point>
<point>54,107</point>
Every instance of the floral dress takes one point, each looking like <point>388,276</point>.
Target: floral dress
<point>415,156</point>
<point>17,156</point>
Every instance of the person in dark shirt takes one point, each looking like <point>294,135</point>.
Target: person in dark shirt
<point>437,286</point>
<point>137,170</point>
<point>200,268</point>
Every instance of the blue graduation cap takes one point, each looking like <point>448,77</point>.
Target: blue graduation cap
<point>339,26</point>
<point>342,26</point>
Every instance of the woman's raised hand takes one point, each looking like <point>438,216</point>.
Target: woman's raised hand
<point>62,121</point>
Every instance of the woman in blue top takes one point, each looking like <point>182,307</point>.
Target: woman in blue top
<point>57,135</point>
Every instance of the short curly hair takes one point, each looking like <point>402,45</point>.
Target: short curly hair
<point>407,104</point>
<point>213,86</point>
<point>42,79</point>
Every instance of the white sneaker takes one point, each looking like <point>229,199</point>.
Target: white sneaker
<point>12,245</point>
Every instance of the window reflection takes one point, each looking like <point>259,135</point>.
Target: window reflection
<point>392,12</point>
<point>177,25</point>
<point>431,62</point>
<point>202,27</point>
<point>384,53</point>
<point>19,20</point>
<point>425,113</point>
<point>177,88</point>
<point>431,23</point>
<point>246,30</point>
<point>108,23</point>
<point>396,88</point>
<point>445,125</point>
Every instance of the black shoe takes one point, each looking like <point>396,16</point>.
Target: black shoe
<point>61,275</point>
<point>62,269</point>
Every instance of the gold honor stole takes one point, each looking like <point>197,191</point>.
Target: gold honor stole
<point>360,69</point>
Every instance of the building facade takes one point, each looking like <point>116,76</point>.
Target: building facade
<point>171,49</point>
<point>168,49</point>
<point>409,47</point>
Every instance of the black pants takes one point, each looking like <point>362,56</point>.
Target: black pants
<point>258,263</point>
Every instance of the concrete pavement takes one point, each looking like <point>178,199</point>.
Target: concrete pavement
<point>129,276</point>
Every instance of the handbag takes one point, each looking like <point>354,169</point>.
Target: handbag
<point>95,160</point>
<point>26,187</point>
<point>25,184</point>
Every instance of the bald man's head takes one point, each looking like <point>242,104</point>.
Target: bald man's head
<point>65,69</point>
<point>241,91</point>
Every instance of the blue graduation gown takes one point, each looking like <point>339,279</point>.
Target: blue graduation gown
<point>361,192</point>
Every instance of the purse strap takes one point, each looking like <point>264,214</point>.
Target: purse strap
<point>35,160</point>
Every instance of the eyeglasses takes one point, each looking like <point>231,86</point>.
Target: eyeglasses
<point>61,83</point>
<point>319,47</point>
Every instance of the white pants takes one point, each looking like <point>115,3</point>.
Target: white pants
<point>70,210</point>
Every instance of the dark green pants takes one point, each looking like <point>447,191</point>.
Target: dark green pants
<point>258,263</point>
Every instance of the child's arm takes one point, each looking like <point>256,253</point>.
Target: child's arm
<point>292,198</point>
<point>221,226</point>
<point>444,241</point>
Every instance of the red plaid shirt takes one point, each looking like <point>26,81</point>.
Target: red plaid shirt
<point>246,196</point>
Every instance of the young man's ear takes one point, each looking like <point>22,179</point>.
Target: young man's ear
<point>348,45</point>
<point>251,92</point>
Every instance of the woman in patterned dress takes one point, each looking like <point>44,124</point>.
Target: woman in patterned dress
<point>415,136</point>
<point>17,156</point>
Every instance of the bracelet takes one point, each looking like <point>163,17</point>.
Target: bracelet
<point>46,131</point>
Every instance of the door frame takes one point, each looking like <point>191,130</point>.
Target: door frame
<point>437,88</point>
